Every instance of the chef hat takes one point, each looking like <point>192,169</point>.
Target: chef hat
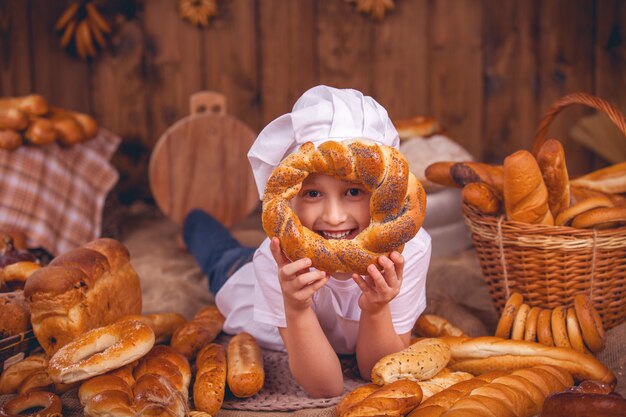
<point>322,113</point>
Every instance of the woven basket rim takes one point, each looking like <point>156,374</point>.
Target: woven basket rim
<point>514,233</point>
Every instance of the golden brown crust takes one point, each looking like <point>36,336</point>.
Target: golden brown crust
<point>464,173</point>
<point>566,216</point>
<point>354,397</point>
<point>46,404</point>
<point>482,197</point>
<point>508,315</point>
<point>519,324</point>
<point>559,327</point>
<point>525,193</point>
<point>600,218</point>
<point>245,374</point>
<point>610,180</point>
<point>551,160</point>
<point>40,131</point>
<point>439,173</point>
<point>189,338</point>
<point>573,331</point>
<point>210,383</point>
<point>590,323</point>
<point>397,204</point>
<point>420,126</point>
<point>15,317</point>
<point>544,328</point>
<point>430,325</point>
<point>10,140</point>
<point>530,332</point>
<point>396,398</point>
<point>13,119</point>
<point>84,288</point>
<point>33,104</point>
<point>14,375</point>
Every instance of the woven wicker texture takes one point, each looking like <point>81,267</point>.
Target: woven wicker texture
<point>551,264</point>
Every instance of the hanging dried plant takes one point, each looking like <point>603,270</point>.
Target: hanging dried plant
<point>198,12</point>
<point>82,27</point>
<point>376,8</point>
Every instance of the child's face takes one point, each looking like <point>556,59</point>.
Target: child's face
<point>333,208</point>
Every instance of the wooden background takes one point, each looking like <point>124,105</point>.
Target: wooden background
<point>487,69</point>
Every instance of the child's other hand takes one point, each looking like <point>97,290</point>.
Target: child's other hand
<point>379,288</point>
<point>297,282</point>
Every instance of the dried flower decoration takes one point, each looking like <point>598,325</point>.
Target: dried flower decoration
<point>376,8</point>
<point>198,12</point>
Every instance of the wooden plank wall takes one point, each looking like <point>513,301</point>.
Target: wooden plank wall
<point>487,69</point>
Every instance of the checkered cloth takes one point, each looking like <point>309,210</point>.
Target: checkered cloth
<point>55,194</point>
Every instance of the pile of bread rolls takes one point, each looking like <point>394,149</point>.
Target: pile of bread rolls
<point>32,120</point>
<point>578,327</point>
<point>538,190</point>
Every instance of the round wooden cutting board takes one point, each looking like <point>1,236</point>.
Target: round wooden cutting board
<point>201,162</point>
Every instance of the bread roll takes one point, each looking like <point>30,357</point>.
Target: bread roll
<point>353,397</point>
<point>439,173</point>
<point>14,314</point>
<point>245,366</point>
<point>189,338</point>
<point>13,119</point>
<point>551,160</point>
<point>33,104</point>
<point>483,197</point>
<point>85,288</point>
<point>41,131</point>
<point>10,140</point>
<point>396,398</point>
<point>210,384</point>
<point>14,375</point>
<point>422,360</point>
<point>430,325</point>
<point>486,354</point>
<point>525,193</point>
<point>464,173</point>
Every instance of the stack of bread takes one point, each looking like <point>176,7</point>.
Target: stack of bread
<point>32,120</point>
<point>461,376</point>
<point>578,327</point>
<point>538,190</point>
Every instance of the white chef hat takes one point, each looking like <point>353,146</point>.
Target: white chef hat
<point>322,113</point>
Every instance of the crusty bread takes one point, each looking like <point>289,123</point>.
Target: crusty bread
<point>14,314</point>
<point>394,399</point>
<point>464,173</point>
<point>210,383</point>
<point>525,193</point>
<point>483,197</point>
<point>430,325</point>
<point>245,375</point>
<point>439,173</point>
<point>486,354</point>
<point>610,180</point>
<point>551,160</point>
<point>85,288</point>
<point>422,360</point>
<point>600,218</point>
<point>566,217</point>
<point>418,126</point>
<point>192,336</point>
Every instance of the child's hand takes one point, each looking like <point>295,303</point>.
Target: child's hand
<point>297,282</point>
<point>379,288</point>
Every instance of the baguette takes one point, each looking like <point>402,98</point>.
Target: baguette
<point>33,104</point>
<point>551,161</point>
<point>13,119</point>
<point>189,338</point>
<point>394,399</point>
<point>464,173</point>
<point>610,180</point>
<point>355,396</point>
<point>600,218</point>
<point>85,288</point>
<point>439,173</point>
<point>245,375</point>
<point>486,354</point>
<point>430,325</point>
<point>210,384</point>
<point>525,193</point>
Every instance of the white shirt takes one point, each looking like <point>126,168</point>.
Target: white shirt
<point>252,301</point>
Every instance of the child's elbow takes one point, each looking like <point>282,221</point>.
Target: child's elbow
<point>325,392</point>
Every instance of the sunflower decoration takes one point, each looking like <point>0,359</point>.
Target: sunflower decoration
<point>376,8</point>
<point>83,29</point>
<point>198,12</point>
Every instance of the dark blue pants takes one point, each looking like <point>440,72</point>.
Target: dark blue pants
<point>217,253</point>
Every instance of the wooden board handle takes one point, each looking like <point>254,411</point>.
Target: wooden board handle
<point>207,102</point>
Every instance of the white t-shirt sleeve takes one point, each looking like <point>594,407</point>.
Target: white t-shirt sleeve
<point>411,302</point>
<point>268,297</point>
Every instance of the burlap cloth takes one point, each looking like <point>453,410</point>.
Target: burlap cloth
<point>171,281</point>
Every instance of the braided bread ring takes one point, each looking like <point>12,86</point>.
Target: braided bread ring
<point>397,203</point>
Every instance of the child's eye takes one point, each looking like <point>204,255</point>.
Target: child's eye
<point>312,193</point>
<point>353,192</point>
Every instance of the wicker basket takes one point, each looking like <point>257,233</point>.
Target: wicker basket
<point>14,348</point>
<point>551,264</point>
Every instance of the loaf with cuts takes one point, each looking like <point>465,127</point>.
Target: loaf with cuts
<point>85,288</point>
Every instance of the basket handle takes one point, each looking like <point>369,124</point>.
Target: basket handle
<point>609,109</point>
